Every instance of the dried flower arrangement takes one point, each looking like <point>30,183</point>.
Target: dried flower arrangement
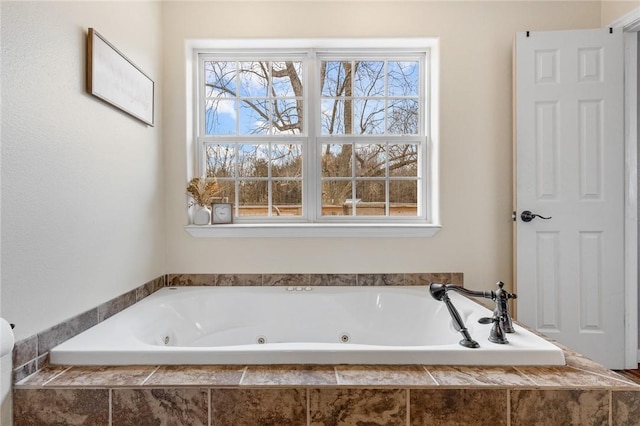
<point>203,190</point>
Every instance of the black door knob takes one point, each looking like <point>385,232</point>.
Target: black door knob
<point>527,216</point>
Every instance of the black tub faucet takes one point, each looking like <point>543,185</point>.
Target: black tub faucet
<point>439,292</point>
<point>502,322</point>
<point>501,297</point>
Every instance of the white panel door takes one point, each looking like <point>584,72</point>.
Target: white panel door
<point>570,167</point>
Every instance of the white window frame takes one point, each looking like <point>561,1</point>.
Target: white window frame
<point>315,225</point>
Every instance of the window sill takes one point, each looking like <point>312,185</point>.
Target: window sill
<point>306,230</point>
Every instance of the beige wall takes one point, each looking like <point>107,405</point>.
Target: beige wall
<point>615,9</point>
<point>476,41</point>
<point>82,190</point>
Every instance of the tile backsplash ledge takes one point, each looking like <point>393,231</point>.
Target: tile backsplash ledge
<point>32,354</point>
<point>175,280</point>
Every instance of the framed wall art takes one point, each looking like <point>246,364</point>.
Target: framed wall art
<point>113,78</point>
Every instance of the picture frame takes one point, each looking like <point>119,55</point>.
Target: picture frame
<point>221,213</point>
<point>115,79</point>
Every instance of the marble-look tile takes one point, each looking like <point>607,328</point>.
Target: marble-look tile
<point>312,279</point>
<point>456,278</point>
<point>42,361</point>
<point>332,279</point>
<point>150,288</point>
<point>103,376</point>
<point>66,330</point>
<point>25,350</point>
<point>31,354</point>
<point>43,376</point>
<point>382,375</point>
<point>43,407</point>
<point>113,306</point>
<point>357,407</point>
<point>575,360</point>
<point>628,381</point>
<point>25,370</point>
<point>569,377</point>
<point>477,376</point>
<point>427,278</point>
<point>458,407</point>
<point>177,280</point>
<point>285,279</point>
<point>559,407</point>
<point>238,279</point>
<point>196,375</point>
<point>264,407</point>
<point>289,375</point>
<point>625,406</point>
<point>380,279</point>
<point>162,407</point>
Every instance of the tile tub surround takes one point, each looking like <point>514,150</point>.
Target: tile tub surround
<point>175,280</point>
<point>31,354</point>
<point>582,392</point>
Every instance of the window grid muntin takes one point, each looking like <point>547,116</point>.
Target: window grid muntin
<point>312,181</point>
<point>238,177</point>
<point>387,178</point>
<point>238,59</point>
<point>386,98</point>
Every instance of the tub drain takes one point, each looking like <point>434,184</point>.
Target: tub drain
<point>344,337</point>
<point>166,340</point>
<point>261,340</point>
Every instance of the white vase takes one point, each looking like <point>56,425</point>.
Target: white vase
<point>201,215</point>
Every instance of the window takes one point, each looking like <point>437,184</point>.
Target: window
<point>319,134</point>
<point>253,132</point>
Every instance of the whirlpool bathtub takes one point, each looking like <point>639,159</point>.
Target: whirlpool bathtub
<point>298,325</point>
